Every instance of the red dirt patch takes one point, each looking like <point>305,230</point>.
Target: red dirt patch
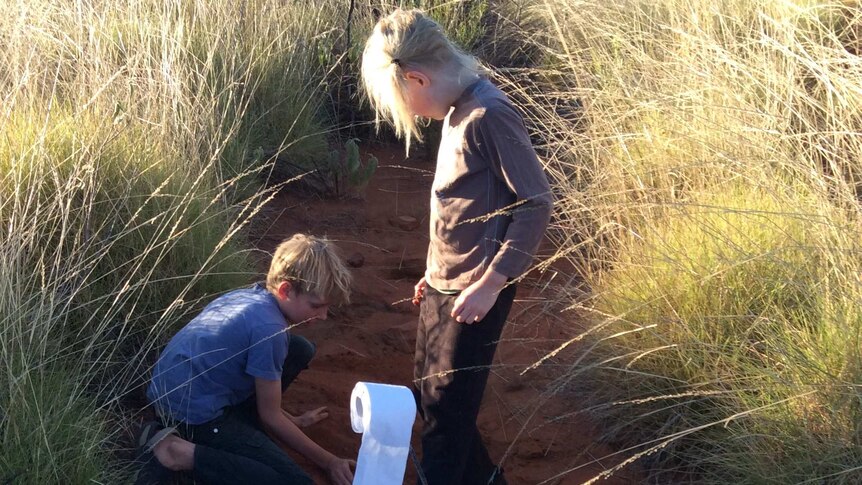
<point>372,339</point>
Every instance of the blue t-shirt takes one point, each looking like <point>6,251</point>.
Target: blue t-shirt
<point>212,362</point>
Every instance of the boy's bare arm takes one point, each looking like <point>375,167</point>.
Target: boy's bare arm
<point>268,395</point>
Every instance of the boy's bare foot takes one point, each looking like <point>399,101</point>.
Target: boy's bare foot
<point>158,453</point>
<point>175,453</point>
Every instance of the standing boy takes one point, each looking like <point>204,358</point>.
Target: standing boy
<point>490,205</point>
<point>220,380</point>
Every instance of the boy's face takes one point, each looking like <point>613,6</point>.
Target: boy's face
<point>300,307</point>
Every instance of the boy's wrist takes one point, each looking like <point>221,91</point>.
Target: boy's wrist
<point>493,279</point>
<point>327,460</point>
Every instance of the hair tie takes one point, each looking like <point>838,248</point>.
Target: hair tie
<point>396,61</point>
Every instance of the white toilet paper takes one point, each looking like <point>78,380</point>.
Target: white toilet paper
<point>384,414</point>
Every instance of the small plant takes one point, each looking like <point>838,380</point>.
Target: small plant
<point>348,176</point>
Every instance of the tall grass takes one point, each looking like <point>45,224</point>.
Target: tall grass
<point>135,140</point>
<point>707,160</point>
<point>130,142</point>
<point>706,157</point>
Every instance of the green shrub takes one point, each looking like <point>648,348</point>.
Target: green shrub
<point>731,310</point>
<point>126,182</point>
<point>347,176</point>
<point>708,199</point>
<point>49,431</point>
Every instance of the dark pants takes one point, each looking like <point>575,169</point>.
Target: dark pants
<point>452,364</point>
<point>233,448</point>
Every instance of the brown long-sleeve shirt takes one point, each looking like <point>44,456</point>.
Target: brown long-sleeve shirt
<point>490,200</point>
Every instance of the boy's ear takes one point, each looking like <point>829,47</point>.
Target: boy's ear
<point>283,289</point>
<point>418,77</point>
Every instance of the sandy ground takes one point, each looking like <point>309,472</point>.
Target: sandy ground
<point>373,338</point>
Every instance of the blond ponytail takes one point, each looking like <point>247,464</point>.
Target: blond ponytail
<point>406,39</point>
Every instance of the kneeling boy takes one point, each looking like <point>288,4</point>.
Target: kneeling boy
<point>220,380</point>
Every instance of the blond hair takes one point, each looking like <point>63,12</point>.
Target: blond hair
<point>311,264</point>
<point>405,39</point>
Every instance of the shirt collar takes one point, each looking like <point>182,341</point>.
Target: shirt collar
<point>468,91</point>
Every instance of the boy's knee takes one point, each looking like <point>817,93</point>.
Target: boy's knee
<point>301,351</point>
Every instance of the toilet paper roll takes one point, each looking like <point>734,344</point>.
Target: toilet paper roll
<point>384,414</point>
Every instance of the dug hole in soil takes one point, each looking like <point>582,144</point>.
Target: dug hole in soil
<point>384,237</point>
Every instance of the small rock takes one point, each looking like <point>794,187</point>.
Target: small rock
<point>531,450</point>
<point>406,223</point>
<point>356,260</point>
<point>514,385</point>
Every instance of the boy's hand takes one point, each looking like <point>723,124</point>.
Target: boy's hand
<point>340,472</point>
<point>477,299</point>
<point>308,418</point>
<point>419,291</point>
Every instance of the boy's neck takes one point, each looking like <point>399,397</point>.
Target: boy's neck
<point>450,86</point>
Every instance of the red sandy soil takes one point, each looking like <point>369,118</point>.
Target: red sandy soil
<point>373,338</point>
